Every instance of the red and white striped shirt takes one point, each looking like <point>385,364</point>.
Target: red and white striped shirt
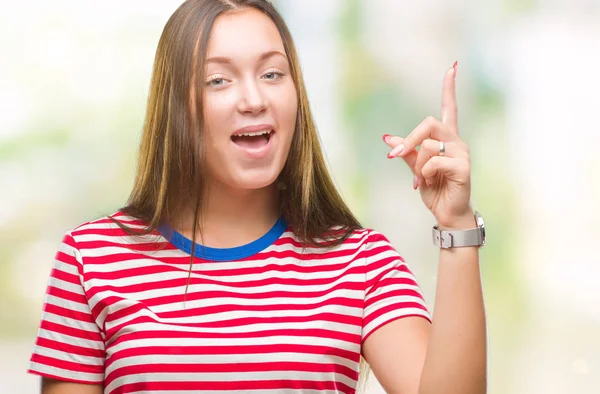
<point>267,317</point>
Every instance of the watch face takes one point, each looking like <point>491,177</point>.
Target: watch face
<point>481,225</point>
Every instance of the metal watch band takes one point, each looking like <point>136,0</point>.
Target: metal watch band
<point>460,238</point>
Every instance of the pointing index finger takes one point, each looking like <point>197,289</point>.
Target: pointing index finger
<point>449,108</point>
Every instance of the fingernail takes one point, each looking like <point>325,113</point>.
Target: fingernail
<point>385,136</point>
<point>455,66</point>
<point>427,182</point>
<point>415,182</point>
<point>396,151</point>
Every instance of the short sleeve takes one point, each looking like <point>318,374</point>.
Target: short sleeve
<point>391,290</point>
<point>69,345</point>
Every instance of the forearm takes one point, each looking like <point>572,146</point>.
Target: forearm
<point>456,356</point>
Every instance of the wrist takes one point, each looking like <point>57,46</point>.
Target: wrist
<point>466,221</point>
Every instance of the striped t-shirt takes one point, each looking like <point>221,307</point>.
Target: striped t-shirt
<point>266,317</point>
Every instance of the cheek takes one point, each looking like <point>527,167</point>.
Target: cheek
<point>217,118</point>
<point>288,106</point>
<point>293,108</point>
<point>214,111</point>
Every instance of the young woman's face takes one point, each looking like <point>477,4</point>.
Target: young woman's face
<point>250,102</point>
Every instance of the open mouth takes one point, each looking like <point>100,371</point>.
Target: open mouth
<point>254,140</point>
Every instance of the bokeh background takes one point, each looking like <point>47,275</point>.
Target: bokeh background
<point>74,78</point>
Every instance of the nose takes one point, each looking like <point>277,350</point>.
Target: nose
<point>252,98</point>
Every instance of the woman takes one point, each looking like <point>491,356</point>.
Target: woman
<point>281,290</point>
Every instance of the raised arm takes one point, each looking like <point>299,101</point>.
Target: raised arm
<point>449,356</point>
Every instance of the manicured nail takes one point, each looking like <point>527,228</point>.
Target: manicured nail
<point>415,182</point>
<point>385,136</point>
<point>455,66</point>
<point>396,151</point>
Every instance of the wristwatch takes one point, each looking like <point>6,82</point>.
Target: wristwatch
<point>447,239</point>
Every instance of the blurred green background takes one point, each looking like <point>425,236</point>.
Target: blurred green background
<point>74,78</point>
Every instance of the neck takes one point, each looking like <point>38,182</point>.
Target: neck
<point>234,217</point>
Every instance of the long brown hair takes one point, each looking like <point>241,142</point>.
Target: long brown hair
<point>171,170</point>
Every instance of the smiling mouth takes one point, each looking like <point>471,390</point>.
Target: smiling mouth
<point>252,140</point>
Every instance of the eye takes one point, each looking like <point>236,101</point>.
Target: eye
<point>216,81</point>
<point>272,75</point>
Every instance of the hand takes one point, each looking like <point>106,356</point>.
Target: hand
<point>443,180</point>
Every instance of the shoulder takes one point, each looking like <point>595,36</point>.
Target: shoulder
<point>108,231</point>
<point>361,239</point>
<point>377,239</point>
<point>103,241</point>
<point>378,248</point>
<point>335,240</point>
<point>367,238</point>
<point>106,225</point>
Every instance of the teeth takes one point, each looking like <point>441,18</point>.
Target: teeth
<point>254,134</point>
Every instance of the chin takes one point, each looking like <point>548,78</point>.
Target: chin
<point>252,179</point>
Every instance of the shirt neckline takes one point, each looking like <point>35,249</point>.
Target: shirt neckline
<point>224,254</point>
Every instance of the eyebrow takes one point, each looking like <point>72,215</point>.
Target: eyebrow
<point>227,60</point>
